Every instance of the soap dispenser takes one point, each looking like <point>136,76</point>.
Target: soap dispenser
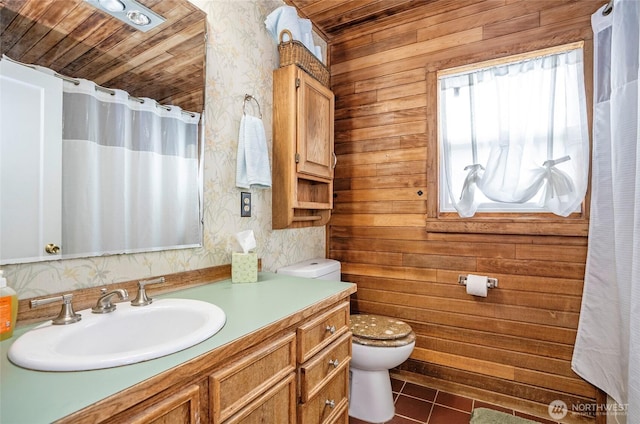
<point>8,308</point>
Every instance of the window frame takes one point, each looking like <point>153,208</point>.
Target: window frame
<point>520,223</point>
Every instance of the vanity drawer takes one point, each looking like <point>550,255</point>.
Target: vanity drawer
<point>318,333</point>
<point>342,417</point>
<point>276,405</point>
<point>328,404</point>
<point>322,367</point>
<point>235,386</point>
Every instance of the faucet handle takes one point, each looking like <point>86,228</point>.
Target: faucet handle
<point>67,315</point>
<point>142,299</point>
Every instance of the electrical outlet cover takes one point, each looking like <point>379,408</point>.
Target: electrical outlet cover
<point>245,204</point>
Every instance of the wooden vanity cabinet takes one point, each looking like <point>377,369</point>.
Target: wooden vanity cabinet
<point>324,352</point>
<point>294,371</point>
<point>303,155</point>
<point>262,385</point>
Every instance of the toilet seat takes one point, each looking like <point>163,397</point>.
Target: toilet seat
<point>380,331</point>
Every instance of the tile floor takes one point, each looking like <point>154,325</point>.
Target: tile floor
<point>419,404</point>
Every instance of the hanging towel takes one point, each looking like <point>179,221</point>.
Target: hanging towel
<point>252,167</point>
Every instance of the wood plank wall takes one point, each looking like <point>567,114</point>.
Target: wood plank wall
<point>513,347</point>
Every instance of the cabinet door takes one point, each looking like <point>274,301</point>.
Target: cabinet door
<point>276,405</point>
<point>183,407</point>
<point>244,380</point>
<point>315,128</point>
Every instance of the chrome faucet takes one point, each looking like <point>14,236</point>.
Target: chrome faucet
<point>66,315</point>
<point>142,299</point>
<point>104,305</point>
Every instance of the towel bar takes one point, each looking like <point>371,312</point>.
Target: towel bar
<point>492,283</point>
<point>249,97</point>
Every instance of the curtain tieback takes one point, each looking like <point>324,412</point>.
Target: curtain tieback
<point>475,167</point>
<point>553,162</point>
<point>559,183</point>
<point>472,177</point>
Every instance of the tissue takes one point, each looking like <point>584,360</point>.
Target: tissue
<point>244,265</point>
<point>247,240</point>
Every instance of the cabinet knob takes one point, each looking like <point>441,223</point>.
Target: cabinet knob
<point>51,249</point>
<point>330,403</point>
<point>331,329</point>
<point>334,362</point>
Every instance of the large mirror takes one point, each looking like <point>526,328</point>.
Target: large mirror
<point>76,39</point>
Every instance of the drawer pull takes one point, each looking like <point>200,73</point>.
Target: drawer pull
<point>334,362</point>
<point>330,403</point>
<point>331,329</point>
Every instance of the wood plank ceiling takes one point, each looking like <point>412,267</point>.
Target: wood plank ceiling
<point>78,40</point>
<point>332,18</point>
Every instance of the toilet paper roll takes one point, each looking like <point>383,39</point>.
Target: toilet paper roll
<point>477,285</point>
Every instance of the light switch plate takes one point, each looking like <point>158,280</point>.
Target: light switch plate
<point>245,204</point>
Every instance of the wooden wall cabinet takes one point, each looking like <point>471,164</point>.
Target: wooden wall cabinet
<point>303,155</point>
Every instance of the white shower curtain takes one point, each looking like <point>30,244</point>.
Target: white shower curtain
<point>130,173</point>
<point>607,349</point>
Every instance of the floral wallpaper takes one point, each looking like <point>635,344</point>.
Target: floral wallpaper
<point>240,59</point>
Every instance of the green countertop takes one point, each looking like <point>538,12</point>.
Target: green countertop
<point>33,397</point>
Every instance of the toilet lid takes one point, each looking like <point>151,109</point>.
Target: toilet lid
<point>378,327</point>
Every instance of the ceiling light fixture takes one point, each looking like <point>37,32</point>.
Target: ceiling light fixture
<point>112,5</point>
<point>138,17</point>
<point>130,12</point>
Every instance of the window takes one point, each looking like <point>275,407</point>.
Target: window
<point>513,136</point>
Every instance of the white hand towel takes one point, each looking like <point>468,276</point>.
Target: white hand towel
<point>252,164</point>
<point>318,52</point>
<point>284,17</point>
<point>305,32</point>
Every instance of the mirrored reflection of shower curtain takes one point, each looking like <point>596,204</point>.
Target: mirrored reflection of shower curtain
<point>129,174</point>
<point>607,349</point>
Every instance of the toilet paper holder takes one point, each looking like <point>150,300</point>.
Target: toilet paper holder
<point>492,283</point>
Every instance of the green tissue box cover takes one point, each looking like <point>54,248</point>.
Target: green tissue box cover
<point>244,267</point>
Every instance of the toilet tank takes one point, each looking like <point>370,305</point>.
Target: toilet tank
<point>322,269</point>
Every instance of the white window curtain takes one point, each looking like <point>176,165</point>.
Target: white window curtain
<point>130,172</point>
<point>516,133</point>
<point>607,348</point>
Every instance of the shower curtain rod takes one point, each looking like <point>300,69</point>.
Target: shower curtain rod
<point>98,87</point>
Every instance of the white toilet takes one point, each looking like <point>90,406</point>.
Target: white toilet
<point>322,269</point>
<point>379,344</point>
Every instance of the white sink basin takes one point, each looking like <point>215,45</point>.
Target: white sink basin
<point>125,336</point>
